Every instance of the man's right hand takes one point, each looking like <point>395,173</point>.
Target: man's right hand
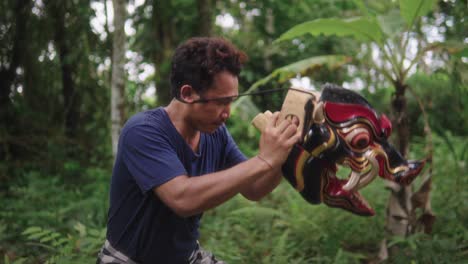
<point>277,140</point>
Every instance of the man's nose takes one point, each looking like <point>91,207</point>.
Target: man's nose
<point>226,112</point>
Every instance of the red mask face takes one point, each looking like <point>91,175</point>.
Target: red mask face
<point>348,133</point>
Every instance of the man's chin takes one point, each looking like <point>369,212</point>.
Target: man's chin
<point>211,128</point>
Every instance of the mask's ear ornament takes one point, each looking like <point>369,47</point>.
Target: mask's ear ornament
<point>339,127</point>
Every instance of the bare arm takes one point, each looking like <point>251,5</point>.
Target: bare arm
<point>263,185</point>
<point>271,179</point>
<point>188,196</point>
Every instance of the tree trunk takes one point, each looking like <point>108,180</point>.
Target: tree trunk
<point>399,203</point>
<point>205,17</point>
<point>118,73</point>
<point>164,32</point>
<point>8,76</point>
<point>402,219</point>
<point>8,72</point>
<point>270,30</point>
<point>67,66</point>
<point>399,107</point>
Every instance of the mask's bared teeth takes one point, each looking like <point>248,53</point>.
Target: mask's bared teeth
<point>335,196</point>
<point>371,174</point>
<point>352,181</point>
<point>368,178</point>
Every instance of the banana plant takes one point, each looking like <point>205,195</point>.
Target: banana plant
<point>284,74</point>
<point>390,34</point>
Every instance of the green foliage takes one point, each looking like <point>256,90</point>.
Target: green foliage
<point>54,189</point>
<point>49,217</point>
<point>268,20</point>
<point>42,210</point>
<point>363,29</point>
<point>71,248</point>
<point>245,134</point>
<point>445,101</point>
<point>385,31</point>
<point>283,228</point>
<point>411,10</point>
<point>285,73</point>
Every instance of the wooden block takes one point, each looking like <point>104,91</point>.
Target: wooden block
<point>260,121</point>
<point>294,104</point>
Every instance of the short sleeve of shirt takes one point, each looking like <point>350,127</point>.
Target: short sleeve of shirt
<point>150,157</point>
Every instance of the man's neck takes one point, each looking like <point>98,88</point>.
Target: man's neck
<point>178,114</point>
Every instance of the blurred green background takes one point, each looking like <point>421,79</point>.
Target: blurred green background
<point>56,156</point>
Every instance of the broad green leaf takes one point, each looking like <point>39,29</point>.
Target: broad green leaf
<point>290,71</point>
<point>363,29</point>
<point>362,7</point>
<point>287,72</point>
<point>411,10</point>
<point>391,23</point>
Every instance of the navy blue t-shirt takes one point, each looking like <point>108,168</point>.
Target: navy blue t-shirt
<point>150,153</point>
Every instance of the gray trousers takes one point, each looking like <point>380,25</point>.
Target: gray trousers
<point>109,255</point>
<point>201,256</point>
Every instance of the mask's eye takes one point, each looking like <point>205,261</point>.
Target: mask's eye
<point>358,138</point>
<point>360,141</point>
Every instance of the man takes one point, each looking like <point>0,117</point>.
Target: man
<point>175,162</point>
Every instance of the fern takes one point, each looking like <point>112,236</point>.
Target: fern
<point>67,248</point>
<point>7,260</point>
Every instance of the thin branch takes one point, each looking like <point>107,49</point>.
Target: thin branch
<point>384,72</point>
<point>427,182</point>
<point>427,127</point>
<point>389,55</point>
<point>403,50</point>
<point>418,58</point>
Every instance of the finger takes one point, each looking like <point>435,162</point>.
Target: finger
<point>295,120</point>
<point>293,139</point>
<point>290,131</point>
<point>273,120</point>
<point>283,125</point>
<point>268,113</point>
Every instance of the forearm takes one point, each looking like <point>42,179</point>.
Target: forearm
<point>192,195</point>
<point>263,185</point>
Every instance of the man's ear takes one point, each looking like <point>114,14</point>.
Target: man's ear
<point>188,94</point>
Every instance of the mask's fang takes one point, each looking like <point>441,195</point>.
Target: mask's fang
<point>371,174</point>
<point>352,181</point>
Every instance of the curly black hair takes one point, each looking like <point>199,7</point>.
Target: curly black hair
<point>199,59</point>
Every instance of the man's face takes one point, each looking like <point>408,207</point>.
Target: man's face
<point>216,106</point>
